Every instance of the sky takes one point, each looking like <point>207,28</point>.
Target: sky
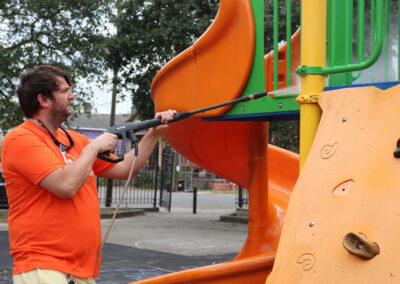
<point>102,103</point>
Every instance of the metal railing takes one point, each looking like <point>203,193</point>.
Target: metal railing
<point>142,189</point>
<point>377,35</point>
<point>288,43</point>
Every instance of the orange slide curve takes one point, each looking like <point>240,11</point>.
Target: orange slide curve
<point>216,69</point>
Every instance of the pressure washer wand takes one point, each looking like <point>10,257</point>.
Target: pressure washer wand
<point>123,130</point>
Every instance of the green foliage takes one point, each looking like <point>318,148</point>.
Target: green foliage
<point>269,21</point>
<point>144,179</point>
<point>10,114</point>
<point>64,33</point>
<point>285,134</point>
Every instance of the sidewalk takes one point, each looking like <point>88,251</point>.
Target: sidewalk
<point>180,232</point>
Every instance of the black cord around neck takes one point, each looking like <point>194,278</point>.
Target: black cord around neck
<point>58,143</point>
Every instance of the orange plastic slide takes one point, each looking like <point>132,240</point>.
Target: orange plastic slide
<point>216,69</point>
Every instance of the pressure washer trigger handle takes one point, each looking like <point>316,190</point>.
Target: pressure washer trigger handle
<point>106,157</point>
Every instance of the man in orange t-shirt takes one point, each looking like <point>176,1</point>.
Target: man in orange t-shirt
<point>54,215</point>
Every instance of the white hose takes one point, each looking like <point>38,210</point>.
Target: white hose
<point>117,208</point>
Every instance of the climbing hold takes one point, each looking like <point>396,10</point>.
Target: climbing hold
<point>306,261</point>
<point>359,245</point>
<point>343,188</point>
<point>328,151</point>
<point>396,152</point>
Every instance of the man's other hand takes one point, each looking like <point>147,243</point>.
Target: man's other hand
<point>165,117</point>
<point>105,142</point>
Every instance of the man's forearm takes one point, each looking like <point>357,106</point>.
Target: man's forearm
<point>79,171</point>
<point>146,147</point>
<point>65,182</point>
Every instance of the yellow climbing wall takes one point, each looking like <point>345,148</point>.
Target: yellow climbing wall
<point>350,183</point>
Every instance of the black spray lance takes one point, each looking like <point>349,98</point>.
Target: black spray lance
<point>129,128</point>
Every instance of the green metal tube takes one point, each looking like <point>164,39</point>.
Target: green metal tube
<point>332,36</point>
<point>372,38</point>
<point>360,35</point>
<point>386,40</point>
<point>328,33</point>
<point>348,33</point>
<point>276,22</point>
<point>288,43</point>
<point>303,70</point>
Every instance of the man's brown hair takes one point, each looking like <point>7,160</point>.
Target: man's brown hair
<point>38,80</point>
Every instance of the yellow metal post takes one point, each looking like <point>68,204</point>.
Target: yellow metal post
<point>313,53</point>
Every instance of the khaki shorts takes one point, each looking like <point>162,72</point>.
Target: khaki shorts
<point>47,276</point>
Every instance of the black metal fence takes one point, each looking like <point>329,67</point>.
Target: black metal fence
<point>141,191</point>
<point>167,171</point>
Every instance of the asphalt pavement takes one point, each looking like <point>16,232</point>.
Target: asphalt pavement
<point>157,243</point>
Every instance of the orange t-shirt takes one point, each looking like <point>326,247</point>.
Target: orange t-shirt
<point>47,231</point>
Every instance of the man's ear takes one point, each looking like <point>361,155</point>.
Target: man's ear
<point>43,101</point>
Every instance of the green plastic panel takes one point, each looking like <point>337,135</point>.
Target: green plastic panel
<point>340,48</point>
<point>256,82</point>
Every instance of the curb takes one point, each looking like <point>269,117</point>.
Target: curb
<point>241,216</point>
<point>234,219</point>
<point>125,213</point>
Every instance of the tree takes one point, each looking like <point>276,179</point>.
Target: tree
<point>63,33</point>
<point>269,21</point>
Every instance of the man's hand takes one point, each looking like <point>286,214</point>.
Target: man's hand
<point>165,117</point>
<point>105,142</point>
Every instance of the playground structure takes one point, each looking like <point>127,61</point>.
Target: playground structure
<point>338,219</point>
